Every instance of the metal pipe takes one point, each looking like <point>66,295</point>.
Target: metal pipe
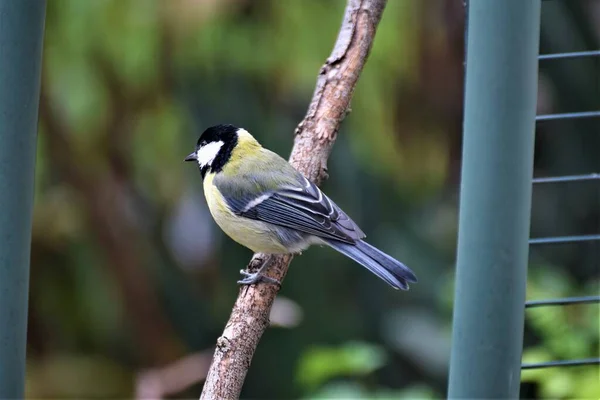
<point>497,170</point>
<point>21,41</point>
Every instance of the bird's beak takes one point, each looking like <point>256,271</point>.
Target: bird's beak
<point>190,157</point>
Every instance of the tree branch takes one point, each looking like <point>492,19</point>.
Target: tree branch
<point>314,139</point>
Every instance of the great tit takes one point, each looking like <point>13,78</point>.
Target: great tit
<point>259,200</point>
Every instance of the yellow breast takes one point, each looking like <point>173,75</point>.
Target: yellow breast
<point>255,235</point>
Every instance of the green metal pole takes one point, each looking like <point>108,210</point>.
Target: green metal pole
<point>21,38</point>
<point>497,169</point>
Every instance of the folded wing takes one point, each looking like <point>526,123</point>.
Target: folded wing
<point>301,206</point>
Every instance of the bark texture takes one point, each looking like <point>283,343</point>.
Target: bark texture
<point>314,138</point>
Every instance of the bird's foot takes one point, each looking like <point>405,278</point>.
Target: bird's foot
<point>252,278</point>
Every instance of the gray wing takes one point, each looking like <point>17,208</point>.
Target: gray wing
<point>301,206</point>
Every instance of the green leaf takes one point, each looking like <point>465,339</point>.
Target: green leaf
<point>320,364</point>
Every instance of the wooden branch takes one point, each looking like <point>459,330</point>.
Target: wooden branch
<point>314,139</point>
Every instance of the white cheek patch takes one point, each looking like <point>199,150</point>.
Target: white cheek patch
<point>207,153</point>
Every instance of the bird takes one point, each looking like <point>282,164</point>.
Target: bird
<point>263,203</point>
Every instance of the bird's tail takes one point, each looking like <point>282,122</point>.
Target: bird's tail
<point>385,267</point>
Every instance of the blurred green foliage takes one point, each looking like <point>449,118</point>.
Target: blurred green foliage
<point>566,333</point>
<point>130,273</point>
<point>318,365</point>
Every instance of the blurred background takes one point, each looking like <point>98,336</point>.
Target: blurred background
<point>132,282</point>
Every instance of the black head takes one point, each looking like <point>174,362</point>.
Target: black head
<point>214,148</point>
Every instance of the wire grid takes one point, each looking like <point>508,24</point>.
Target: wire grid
<point>593,176</point>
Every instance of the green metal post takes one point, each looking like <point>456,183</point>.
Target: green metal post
<point>497,169</point>
<point>21,39</point>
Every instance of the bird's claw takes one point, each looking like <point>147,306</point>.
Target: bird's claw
<point>252,278</point>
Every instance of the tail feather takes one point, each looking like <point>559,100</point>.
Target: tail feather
<point>385,267</point>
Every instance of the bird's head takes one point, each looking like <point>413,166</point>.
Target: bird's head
<point>215,147</point>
